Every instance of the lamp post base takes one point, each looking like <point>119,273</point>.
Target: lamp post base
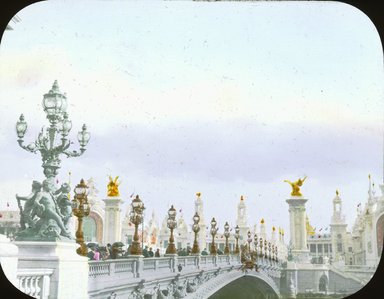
<point>171,249</point>
<point>136,248</point>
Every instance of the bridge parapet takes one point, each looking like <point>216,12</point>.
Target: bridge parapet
<point>166,277</point>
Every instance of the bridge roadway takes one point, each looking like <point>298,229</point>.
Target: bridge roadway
<point>174,276</point>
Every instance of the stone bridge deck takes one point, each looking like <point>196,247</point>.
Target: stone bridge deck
<point>172,276</point>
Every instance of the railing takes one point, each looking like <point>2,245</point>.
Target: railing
<point>97,268</point>
<point>137,274</point>
<point>35,282</point>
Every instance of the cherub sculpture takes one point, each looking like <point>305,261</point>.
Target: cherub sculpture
<point>27,213</point>
<point>296,186</point>
<point>113,187</point>
<point>46,218</point>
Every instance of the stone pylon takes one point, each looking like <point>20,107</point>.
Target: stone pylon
<point>298,231</point>
<point>112,221</point>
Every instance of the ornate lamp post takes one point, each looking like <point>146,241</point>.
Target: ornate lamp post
<point>265,248</point>
<point>261,247</point>
<point>196,229</point>
<point>273,252</point>
<point>269,249</point>
<point>255,242</point>
<point>276,254</point>
<point>249,240</point>
<point>136,217</point>
<point>213,233</point>
<point>55,106</point>
<point>226,235</point>
<point>237,236</point>
<point>171,223</point>
<point>81,208</point>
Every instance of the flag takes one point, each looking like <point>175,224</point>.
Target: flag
<point>326,228</point>
<point>180,210</point>
<point>359,204</point>
<point>320,229</point>
<point>131,195</point>
<point>7,204</point>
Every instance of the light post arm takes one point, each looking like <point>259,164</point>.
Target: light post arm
<point>74,153</point>
<point>32,147</point>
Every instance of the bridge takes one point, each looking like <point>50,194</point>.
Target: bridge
<point>169,276</point>
<point>175,276</point>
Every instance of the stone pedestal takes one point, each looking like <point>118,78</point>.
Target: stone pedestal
<point>112,220</point>
<point>8,259</point>
<point>65,271</point>
<point>298,230</point>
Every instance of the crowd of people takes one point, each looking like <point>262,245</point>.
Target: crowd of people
<point>116,250</point>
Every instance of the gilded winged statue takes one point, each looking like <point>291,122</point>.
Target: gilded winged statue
<point>296,186</point>
<point>113,187</point>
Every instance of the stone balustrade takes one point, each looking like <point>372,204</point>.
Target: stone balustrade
<point>35,282</point>
<point>170,276</point>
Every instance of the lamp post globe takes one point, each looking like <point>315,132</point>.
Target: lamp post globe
<point>21,127</point>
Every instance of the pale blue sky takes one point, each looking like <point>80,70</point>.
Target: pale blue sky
<point>225,98</point>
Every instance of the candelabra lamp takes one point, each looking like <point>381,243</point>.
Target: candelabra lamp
<point>269,250</point>
<point>213,234</point>
<point>226,235</point>
<point>255,238</point>
<point>196,229</point>
<point>261,247</point>
<point>276,254</point>
<point>55,106</point>
<point>172,224</point>
<point>136,217</point>
<point>265,249</point>
<point>237,236</point>
<point>249,240</point>
<point>81,209</point>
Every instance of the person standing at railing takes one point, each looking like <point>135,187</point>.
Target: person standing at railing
<point>96,255</point>
<point>150,252</point>
<point>157,253</point>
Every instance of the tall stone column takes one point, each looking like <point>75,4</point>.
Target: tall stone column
<point>112,224</point>
<point>298,233</point>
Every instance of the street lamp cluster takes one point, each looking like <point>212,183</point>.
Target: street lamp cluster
<point>55,107</point>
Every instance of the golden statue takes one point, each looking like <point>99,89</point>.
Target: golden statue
<point>296,186</point>
<point>309,227</point>
<point>113,187</point>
